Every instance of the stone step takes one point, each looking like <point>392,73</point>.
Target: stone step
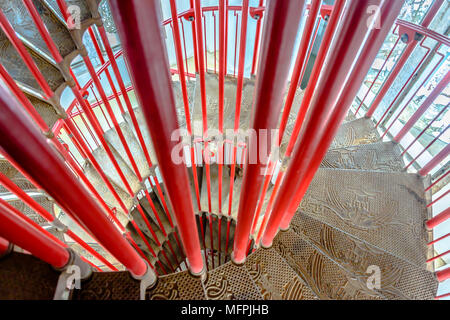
<point>275,278</point>
<point>159,211</point>
<point>25,277</point>
<point>108,286</point>
<point>356,132</point>
<point>107,196</point>
<point>323,276</point>
<point>17,69</point>
<point>212,101</point>
<point>144,131</point>
<point>385,209</point>
<point>231,282</point>
<point>214,188</point>
<point>15,176</point>
<point>144,228</point>
<point>235,197</point>
<point>112,137</point>
<point>108,168</point>
<point>178,286</point>
<point>379,156</point>
<point>399,279</point>
<point>179,102</point>
<point>23,24</point>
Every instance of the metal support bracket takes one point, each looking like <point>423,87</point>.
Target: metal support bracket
<point>147,281</point>
<point>71,276</point>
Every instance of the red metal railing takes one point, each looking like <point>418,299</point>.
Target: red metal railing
<point>83,130</point>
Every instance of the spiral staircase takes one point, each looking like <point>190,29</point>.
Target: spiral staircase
<point>362,209</point>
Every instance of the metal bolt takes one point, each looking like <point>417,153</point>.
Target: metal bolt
<point>405,38</point>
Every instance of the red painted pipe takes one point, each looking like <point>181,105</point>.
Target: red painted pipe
<point>438,239</point>
<point>5,246</point>
<point>340,80</point>
<point>139,30</point>
<point>319,63</point>
<point>443,275</point>
<point>435,161</point>
<point>34,240</point>
<point>96,125</point>
<point>179,54</point>
<point>23,100</point>
<point>438,219</point>
<point>403,59</point>
<point>20,47</point>
<point>257,37</point>
<point>280,30</point>
<point>300,64</point>
<point>222,73</point>
<point>201,71</point>
<point>108,74</point>
<point>22,141</point>
<point>119,79</point>
<point>438,256</point>
<point>375,40</point>
<point>423,108</point>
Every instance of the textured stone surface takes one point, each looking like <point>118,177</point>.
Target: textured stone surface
<point>384,209</point>
<point>17,69</point>
<point>325,278</point>
<point>379,156</point>
<point>108,286</point>
<point>101,188</point>
<point>24,277</point>
<point>108,168</point>
<point>275,278</point>
<point>113,139</point>
<point>356,132</point>
<point>179,286</point>
<point>23,24</point>
<point>230,282</point>
<point>399,279</point>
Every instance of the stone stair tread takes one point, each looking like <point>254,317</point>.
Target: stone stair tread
<point>15,176</point>
<point>25,277</point>
<point>214,188</point>
<point>212,89</point>
<point>384,209</point>
<point>179,102</point>
<point>159,210</point>
<point>17,69</point>
<point>231,282</point>
<point>399,279</point>
<point>104,285</point>
<point>177,286</point>
<point>101,188</point>
<point>356,132</point>
<point>143,226</point>
<point>112,137</point>
<point>275,278</point>
<point>236,195</point>
<point>45,110</point>
<point>108,168</point>
<point>23,24</point>
<point>144,131</point>
<point>378,156</point>
<point>141,243</point>
<point>325,278</point>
